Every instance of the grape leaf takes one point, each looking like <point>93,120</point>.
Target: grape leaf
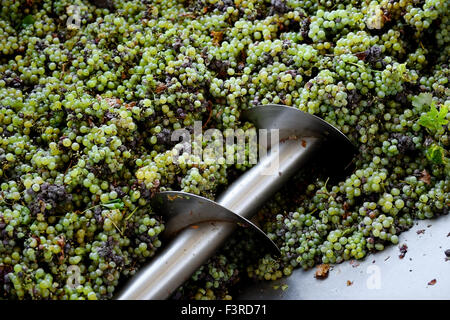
<point>114,204</point>
<point>443,115</point>
<point>401,68</point>
<point>434,119</point>
<point>217,37</point>
<point>28,20</point>
<point>322,271</point>
<point>423,99</point>
<point>402,73</point>
<point>435,154</point>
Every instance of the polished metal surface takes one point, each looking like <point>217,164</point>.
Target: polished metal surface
<point>294,122</point>
<point>194,245</point>
<point>255,186</point>
<point>336,151</point>
<point>382,275</point>
<point>182,210</point>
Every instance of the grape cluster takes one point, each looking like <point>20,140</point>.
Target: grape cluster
<point>91,93</point>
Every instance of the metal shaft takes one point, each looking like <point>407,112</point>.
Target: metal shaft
<point>192,247</point>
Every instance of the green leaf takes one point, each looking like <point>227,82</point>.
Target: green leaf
<point>434,119</point>
<point>401,68</point>
<point>402,73</point>
<point>423,99</point>
<point>114,204</point>
<point>435,154</point>
<point>28,20</point>
<point>443,115</point>
<point>426,121</point>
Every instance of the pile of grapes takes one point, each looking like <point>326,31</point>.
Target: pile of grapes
<point>91,91</point>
